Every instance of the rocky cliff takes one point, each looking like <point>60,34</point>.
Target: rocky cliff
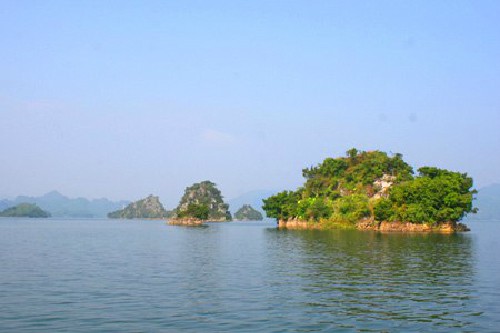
<point>148,208</point>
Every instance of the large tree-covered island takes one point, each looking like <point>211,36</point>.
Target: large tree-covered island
<point>371,190</point>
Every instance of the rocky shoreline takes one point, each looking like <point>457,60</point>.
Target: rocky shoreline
<point>444,227</point>
<point>189,221</point>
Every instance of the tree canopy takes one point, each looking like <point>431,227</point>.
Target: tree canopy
<point>436,195</point>
<point>197,211</point>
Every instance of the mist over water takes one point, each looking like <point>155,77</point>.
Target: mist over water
<point>99,275</point>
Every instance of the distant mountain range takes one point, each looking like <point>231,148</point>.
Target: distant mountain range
<point>61,206</point>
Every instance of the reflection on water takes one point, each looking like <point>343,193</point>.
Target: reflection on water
<point>371,281</point>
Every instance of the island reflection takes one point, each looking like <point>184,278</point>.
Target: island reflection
<point>356,279</point>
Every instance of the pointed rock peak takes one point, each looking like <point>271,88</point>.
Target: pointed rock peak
<point>54,195</point>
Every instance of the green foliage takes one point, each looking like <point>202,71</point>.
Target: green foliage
<point>282,205</point>
<point>351,208</point>
<point>382,210</point>
<point>352,153</point>
<point>357,172</point>
<point>342,190</point>
<point>314,208</point>
<point>198,211</point>
<point>25,210</point>
<point>438,195</point>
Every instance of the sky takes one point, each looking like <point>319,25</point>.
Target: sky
<point>121,99</point>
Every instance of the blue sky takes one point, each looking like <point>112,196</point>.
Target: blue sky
<point>120,99</point>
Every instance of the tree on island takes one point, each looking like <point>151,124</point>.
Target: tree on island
<point>374,186</point>
<point>25,210</point>
<point>197,211</point>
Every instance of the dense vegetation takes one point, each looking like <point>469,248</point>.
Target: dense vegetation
<point>203,201</point>
<point>25,210</point>
<point>374,186</point>
<point>434,196</point>
<point>194,210</point>
<point>246,212</point>
<point>148,208</point>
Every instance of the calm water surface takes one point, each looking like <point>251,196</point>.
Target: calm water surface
<point>145,276</point>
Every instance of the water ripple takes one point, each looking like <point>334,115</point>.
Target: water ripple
<point>108,276</point>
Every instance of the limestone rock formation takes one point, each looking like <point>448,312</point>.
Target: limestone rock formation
<point>148,208</point>
<point>382,185</point>
<point>203,201</point>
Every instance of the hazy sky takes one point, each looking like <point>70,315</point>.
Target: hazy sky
<point>121,99</point>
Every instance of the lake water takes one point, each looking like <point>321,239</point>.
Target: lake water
<point>145,276</point>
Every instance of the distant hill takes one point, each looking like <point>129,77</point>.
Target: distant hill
<point>488,203</point>
<point>61,206</point>
<point>253,198</point>
<point>148,208</point>
<point>247,213</point>
<point>25,210</point>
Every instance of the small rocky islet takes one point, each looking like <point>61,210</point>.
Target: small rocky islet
<point>147,208</point>
<point>201,202</point>
<point>248,213</point>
